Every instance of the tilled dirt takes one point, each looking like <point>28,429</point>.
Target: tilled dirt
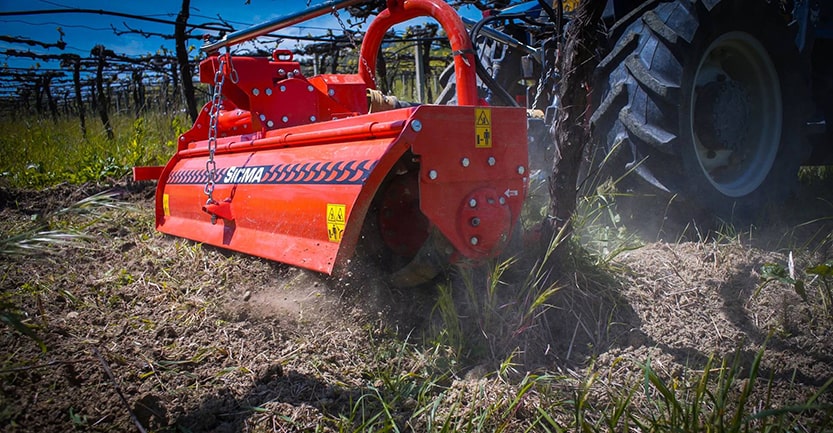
<point>141,328</point>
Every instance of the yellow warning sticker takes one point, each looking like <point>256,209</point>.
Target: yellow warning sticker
<point>336,219</point>
<point>569,5</point>
<point>166,205</point>
<point>483,127</point>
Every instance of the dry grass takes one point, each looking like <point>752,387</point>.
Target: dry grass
<point>630,334</point>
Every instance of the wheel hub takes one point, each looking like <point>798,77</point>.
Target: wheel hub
<point>736,114</point>
<point>722,114</point>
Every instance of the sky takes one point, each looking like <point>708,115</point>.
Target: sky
<point>83,31</point>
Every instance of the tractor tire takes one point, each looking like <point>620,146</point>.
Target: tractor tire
<point>705,99</point>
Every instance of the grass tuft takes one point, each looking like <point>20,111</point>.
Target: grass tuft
<point>47,153</point>
<point>43,236</point>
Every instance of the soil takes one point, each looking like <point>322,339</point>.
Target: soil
<point>143,328</point>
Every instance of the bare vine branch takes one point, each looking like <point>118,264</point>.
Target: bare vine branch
<point>60,44</point>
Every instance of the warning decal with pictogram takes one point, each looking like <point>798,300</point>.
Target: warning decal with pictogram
<point>483,127</point>
<point>336,218</point>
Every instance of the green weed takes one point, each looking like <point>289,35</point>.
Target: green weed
<point>37,153</point>
<point>78,421</point>
<point>817,173</point>
<point>14,319</point>
<point>818,276</point>
<point>720,397</point>
<point>487,312</point>
<point>44,233</point>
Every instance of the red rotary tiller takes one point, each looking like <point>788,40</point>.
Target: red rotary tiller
<point>290,168</point>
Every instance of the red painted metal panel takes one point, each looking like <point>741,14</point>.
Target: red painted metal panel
<point>277,190</point>
<point>473,192</point>
<point>147,173</point>
<point>277,193</point>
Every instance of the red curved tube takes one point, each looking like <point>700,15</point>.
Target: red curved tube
<point>399,11</point>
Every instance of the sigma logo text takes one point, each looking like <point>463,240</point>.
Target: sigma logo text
<point>310,173</point>
<point>244,174</point>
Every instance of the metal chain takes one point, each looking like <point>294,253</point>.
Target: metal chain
<point>355,47</point>
<point>344,29</point>
<point>213,115</point>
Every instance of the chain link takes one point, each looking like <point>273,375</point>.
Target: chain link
<point>355,47</point>
<point>213,116</point>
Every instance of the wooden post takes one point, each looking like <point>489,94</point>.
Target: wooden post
<point>79,101</point>
<point>419,67</point>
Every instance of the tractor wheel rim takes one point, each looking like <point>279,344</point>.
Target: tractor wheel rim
<point>736,114</point>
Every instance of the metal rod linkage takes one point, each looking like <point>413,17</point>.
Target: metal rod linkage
<point>498,36</point>
<point>267,27</point>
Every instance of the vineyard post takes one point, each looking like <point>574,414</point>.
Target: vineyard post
<point>66,104</point>
<point>79,101</point>
<point>335,58</point>
<point>382,73</point>
<point>38,101</point>
<point>138,91</point>
<point>419,68</point>
<point>428,33</point>
<point>24,97</point>
<point>174,89</point>
<point>93,95</point>
<point>114,96</point>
